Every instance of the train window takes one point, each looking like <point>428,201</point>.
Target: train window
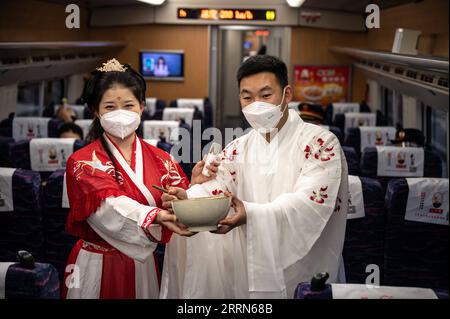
<point>53,92</point>
<point>398,109</point>
<point>28,96</point>
<point>392,107</point>
<point>33,97</point>
<point>436,133</point>
<point>426,116</point>
<point>423,118</point>
<point>388,102</point>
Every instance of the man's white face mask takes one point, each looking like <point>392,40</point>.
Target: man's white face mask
<point>120,123</point>
<point>263,116</point>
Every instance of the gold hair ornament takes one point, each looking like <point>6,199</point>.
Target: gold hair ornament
<point>112,66</point>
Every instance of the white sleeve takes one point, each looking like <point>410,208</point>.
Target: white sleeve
<point>127,226</point>
<point>290,225</point>
<point>226,176</point>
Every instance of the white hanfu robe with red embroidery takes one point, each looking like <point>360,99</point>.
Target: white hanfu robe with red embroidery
<point>112,211</point>
<point>295,192</point>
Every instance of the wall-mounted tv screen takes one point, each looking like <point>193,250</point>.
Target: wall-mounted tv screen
<point>162,65</point>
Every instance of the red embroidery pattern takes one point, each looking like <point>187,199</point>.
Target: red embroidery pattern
<point>320,195</point>
<point>233,175</point>
<point>172,177</point>
<point>230,152</point>
<point>217,192</point>
<point>148,221</point>
<point>95,248</point>
<point>89,168</point>
<point>319,151</point>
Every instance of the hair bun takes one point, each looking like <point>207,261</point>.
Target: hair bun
<point>91,88</point>
<point>138,76</point>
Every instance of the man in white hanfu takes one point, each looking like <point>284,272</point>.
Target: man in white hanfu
<point>289,185</point>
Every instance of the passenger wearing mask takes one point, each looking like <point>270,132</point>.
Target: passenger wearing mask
<point>114,210</point>
<point>288,180</point>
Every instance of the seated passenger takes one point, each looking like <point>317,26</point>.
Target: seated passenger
<point>70,130</point>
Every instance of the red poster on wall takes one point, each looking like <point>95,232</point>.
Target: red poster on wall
<point>321,84</point>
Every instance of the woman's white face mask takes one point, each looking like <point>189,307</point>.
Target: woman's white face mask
<point>120,123</point>
<point>263,116</point>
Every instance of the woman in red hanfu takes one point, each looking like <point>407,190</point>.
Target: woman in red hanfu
<point>113,208</point>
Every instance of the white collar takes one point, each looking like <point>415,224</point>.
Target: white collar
<point>138,177</point>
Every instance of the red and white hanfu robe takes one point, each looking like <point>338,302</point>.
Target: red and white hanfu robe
<point>112,211</point>
<point>295,192</point>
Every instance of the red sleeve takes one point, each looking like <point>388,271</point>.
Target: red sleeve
<point>88,187</point>
<point>174,177</point>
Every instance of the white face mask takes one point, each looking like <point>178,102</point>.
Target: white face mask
<point>120,123</point>
<point>263,116</point>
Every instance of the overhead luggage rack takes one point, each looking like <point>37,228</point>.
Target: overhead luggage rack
<point>425,77</point>
<point>428,63</point>
<point>43,60</point>
<point>431,71</point>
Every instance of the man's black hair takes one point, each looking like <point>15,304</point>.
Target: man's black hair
<point>264,63</point>
<point>70,127</point>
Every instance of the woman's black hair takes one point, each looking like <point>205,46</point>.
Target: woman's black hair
<point>93,92</point>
